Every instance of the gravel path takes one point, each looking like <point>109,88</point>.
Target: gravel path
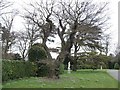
<point>115,74</point>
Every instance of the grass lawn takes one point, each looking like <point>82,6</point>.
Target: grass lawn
<point>79,79</point>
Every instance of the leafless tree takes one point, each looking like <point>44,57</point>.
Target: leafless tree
<point>8,36</point>
<point>22,43</point>
<point>32,31</point>
<point>77,21</point>
<point>78,17</point>
<point>41,16</point>
<point>3,5</point>
<point>106,43</point>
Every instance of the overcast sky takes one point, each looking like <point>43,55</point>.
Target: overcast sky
<point>113,6</point>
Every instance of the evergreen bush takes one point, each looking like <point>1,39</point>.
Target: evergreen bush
<point>36,53</point>
<point>13,69</point>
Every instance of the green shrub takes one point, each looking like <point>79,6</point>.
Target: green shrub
<point>42,69</point>
<point>85,66</point>
<point>12,69</point>
<point>61,69</point>
<point>36,53</point>
<point>46,68</point>
<point>116,66</point>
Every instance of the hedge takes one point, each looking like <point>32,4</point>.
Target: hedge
<point>12,69</point>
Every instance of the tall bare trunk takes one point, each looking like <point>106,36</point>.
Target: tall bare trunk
<point>47,51</point>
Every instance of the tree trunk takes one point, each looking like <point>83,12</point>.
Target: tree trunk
<point>75,57</point>
<point>47,51</point>
<point>46,48</point>
<point>53,70</point>
<point>5,55</point>
<point>74,68</point>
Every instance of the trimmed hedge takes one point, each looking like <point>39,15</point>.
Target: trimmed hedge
<point>17,69</point>
<point>36,53</point>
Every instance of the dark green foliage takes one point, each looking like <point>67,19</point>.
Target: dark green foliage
<point>116,66</point>
<point>111,64</point>
<point>47,68</point>
<point>17,69</point>
<point>36,53</point>
<point>87,66</point>
<point>42,69</point>
<point>93,60</point>
<point>116,59</point>
<point>61,69</point>
<point>17,56</point>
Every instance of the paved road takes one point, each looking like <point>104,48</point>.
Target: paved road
<point>115,74</point>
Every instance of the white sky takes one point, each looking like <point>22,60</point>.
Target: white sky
<point>113,6</point>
